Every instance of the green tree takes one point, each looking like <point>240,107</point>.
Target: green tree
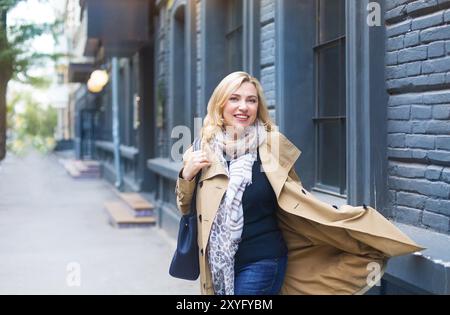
<point>38,121</point>
<point>33,126</point>
<point>16,58</point>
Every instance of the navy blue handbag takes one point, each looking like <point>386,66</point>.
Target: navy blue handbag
<point>185,261</point>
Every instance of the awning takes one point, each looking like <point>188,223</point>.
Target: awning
<point>121,27</point>
<point>80,72</point>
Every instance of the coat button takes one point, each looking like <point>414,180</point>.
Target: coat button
<point>201,184</point>
<point>200,217</point>
<point>334,206</point>
<point>303,191</point>
<point>201,251</point>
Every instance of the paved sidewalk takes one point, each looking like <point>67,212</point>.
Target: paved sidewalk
<point>49,220</point>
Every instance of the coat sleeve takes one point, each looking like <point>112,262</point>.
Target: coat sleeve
<point>184,188</point>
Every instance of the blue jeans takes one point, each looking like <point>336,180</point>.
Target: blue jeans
<point>264,277</point>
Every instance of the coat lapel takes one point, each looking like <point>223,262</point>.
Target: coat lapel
<point>278,156</point>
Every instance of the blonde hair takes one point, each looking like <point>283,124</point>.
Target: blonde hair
<point>213,122</point>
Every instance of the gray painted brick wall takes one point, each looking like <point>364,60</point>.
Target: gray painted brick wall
<point>162,71</point>
<point>418,82</point>
<point>268,52</point>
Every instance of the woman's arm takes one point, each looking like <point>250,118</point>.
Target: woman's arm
<point>184,188</point>
<point>193,163</point>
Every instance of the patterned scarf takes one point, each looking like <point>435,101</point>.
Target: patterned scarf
<point>240,148</point>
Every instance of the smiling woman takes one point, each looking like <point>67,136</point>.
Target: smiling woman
<point>242,106</point>
<point>259,230</point>
<point>238,101</point>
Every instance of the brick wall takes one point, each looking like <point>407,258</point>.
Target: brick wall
<point>418,82</point>
<point>162,68</point>
<point>268,51</point>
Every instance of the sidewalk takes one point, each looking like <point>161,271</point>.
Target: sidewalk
<point>49,220</point>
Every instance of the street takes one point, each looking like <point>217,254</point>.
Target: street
<point>55,237</point>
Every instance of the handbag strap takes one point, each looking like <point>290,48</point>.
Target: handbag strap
<point>197,146</point>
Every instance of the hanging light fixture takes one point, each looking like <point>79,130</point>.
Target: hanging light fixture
<point>93,87</point>
<point>100,77</point>
<point>97,81</point>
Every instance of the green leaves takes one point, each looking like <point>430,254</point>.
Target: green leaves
<point>17,59</point>
<point>8,4</point>
<point>34,125</point>
<point>16,54</point>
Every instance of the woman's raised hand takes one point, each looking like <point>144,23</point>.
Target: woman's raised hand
<point>195,161</point>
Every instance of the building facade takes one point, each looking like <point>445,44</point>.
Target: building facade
<point>361,87</point>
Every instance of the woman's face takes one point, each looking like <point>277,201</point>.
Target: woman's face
<point>241,109</point>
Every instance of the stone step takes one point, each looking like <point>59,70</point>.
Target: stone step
<point>79,169</point>
<point>121,217</point>
<point>71,169</point>
<point>87,166</point>
<point>136,202</point>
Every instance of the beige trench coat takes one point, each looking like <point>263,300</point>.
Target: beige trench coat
<point>330,251</point>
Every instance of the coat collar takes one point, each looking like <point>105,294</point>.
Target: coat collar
<point>278,156</point>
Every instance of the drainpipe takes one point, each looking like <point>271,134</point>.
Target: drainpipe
<point>115,122</point>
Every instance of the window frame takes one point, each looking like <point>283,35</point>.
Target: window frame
<point>366,105</point>
<point>319,119</point>
<point>233,33</point>
<point>213,23</point>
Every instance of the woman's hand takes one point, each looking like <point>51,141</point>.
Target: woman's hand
<point>196,161</point>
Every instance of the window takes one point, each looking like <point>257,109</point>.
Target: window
<point>179,69</point>
<point>330,98</point>
<point>122,103</point>
<point>133,90</point>
<point>229,42</point>
<point>233,35</point>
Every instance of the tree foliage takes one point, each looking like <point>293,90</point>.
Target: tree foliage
<point>16,54</point>
<point>32,125</point>
<point>17,57</point>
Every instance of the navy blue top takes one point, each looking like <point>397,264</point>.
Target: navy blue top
<point>261,236</point>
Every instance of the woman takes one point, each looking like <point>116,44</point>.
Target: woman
<point>259,230</point>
